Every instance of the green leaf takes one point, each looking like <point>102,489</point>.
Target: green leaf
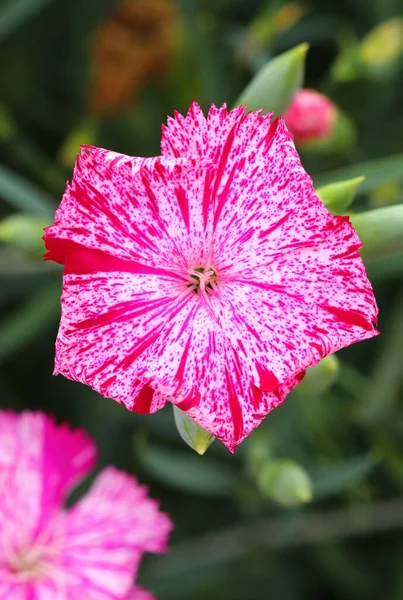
<point>375,172</point>
<point>338,196</point>
<point>320,377</point>
<point>381,231</point>
<point>22,326</point>
<point>274,86</point>
<point>14,13</point>
<point>24,195</point>
<point>186,471</point>
<point>337,478</point>
<point>195,436</point>
<point>285,482</point>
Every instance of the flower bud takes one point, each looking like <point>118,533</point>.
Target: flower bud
<point>310,116</point>
<point>285,482</point>
<point>195,436</point>
<point>318,125</point>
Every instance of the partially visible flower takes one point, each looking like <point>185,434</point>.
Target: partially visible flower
<point>91,550</point>
<point>210,277</point>
<point>310,116</point>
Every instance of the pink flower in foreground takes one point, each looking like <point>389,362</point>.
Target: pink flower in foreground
<point>310,116</point>
<point>91,551</point>
<point>210,277</point>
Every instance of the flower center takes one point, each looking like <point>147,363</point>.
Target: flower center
<point>36,562</point>
<point>30,564</point>
<point>202,279</point>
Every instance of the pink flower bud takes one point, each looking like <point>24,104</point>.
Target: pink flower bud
<point>310,116</point>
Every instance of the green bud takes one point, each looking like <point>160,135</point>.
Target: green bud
<point>274,86</point>
<point>24,232</point>
<point>381,231</point>
<point>285,482</point>
<point>338,196</point>
<point>195,436</point>
<point>320,377</point>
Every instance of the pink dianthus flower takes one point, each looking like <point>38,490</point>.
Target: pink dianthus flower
<point>210,277</point>
<point>90,551</point>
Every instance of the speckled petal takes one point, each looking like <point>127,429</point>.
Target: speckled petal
<point>107,533</point>
<point>51,460</point>
<point>138,593</point>
<point>110,320</point>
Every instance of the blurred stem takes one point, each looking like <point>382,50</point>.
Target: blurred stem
<point>274,534</point>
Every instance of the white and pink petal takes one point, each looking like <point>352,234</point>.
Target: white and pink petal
<point>107,533</point>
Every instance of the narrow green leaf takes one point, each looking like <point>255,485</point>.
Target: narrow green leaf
<point>195,436</point>
<point>24,195</point>
<point>274,86</point>
<point>381,231</point>
<point>338,196</point>
<point>336,478</point>
<point>375,171</point>
<point>186,471</point>
<point>22,326</point>
<point>14,13</point>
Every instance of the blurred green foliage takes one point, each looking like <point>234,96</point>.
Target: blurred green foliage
<point>234,539</point>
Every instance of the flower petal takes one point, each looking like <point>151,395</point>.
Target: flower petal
<point>138,593</point>
<point>110,320</point>
<point>40,462</point>
<point>303,305</point>
<point>107,533</point>
<point>145,211</point>
<point>196,367</point>
<point>107,207</point>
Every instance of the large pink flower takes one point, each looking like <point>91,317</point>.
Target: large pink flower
<point>90,551</point>
<point>210,277</point>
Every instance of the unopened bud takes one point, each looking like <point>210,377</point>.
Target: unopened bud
<point>285,482</point>
<point>310,116</point>
<point>195,436</point>
<point>317,124</point>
